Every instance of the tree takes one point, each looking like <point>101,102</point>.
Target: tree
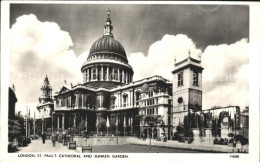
<point>102,124</point>
<point>153,121</point>
<point>14,129</point>
<point>82,125</point>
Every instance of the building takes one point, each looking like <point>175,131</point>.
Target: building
<point>206,124</point>
<point>109,102</point>
<point>244,123</point>
<point>12,101</point>
<point>187,89</point>
<point>45,108</point>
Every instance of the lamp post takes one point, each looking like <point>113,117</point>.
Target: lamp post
<point>52,122</point>
<point>34,126</point>
<point>242,128</point>
<point>124,125</point>
<point>42,122</point>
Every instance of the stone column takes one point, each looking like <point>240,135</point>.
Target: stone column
<point>107,73</point>
<point>83,100</point>
<point>130,98</point>
<point>102,73</point>
<point>126,77</point>
<point>58,122</point>
<point>84,76</point>
<point>116,124</point>
<point>77,100</point>
<point>118,74</point>
<point>113,73</point>
<point>91,73</point>
<point>131,125</point>
<point>74,121</point>
<point>97,73</point>
<point>100,100</point>
<point>123,76</point>
<point>118,99</point>
<point>63,120</point>
<point>97,123</point>
<point>88,75</point>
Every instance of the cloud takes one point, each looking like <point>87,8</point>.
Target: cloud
<point>161,54</point>
<point>225,74</point>
<point>40,48</point>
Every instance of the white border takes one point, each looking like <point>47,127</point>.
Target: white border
<point>253,89</point>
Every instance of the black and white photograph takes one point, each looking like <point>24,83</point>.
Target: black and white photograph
<point>93,81</point>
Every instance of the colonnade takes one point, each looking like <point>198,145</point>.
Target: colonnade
<point>106,73</point>
<point>61,116</point>
<point>123,123</point>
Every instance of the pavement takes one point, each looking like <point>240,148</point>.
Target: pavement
<point>202,147</point>
<point>38,146</point>
<point>169,146</point>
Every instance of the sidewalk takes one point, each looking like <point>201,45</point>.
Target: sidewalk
<point>38,146</point>
<point>204,147</point>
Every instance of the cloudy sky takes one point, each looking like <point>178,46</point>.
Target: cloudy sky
<point>55,39</point>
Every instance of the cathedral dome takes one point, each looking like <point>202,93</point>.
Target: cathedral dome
<point>107,65</point>
<point>107,44</point>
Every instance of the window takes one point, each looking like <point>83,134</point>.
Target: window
<point>180,79</point>
<point>105,73</point>
<point>124,100</point>
<point>94,73</point>
<point>84,100</point>
<point>150,111</point>
<point>57,103</point>
<point>113,101</point>
<point>180,100</point>
<point>80,99</point>
<point>150,94</point>
<point>62,102</point>
<point>68,101</point>
<point>195,78</point>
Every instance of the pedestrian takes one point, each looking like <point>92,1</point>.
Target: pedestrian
<point>53,139</point>
<point>43,138</point>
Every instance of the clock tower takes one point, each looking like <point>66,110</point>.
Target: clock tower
<point>187,85</point>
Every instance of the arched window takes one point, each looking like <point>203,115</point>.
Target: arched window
<point>113,101</point>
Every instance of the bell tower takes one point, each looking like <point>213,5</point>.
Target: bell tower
<point>187,85</point>
<point>46,92</point>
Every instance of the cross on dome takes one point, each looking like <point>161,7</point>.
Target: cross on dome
<point>108,13</point>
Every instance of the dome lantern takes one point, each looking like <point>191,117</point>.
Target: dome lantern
<point>108,25</point>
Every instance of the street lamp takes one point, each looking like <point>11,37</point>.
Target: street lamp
<point>241,125</point>
<point>52,122</point>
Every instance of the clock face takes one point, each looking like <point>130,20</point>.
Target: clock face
<point>180,100</point>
